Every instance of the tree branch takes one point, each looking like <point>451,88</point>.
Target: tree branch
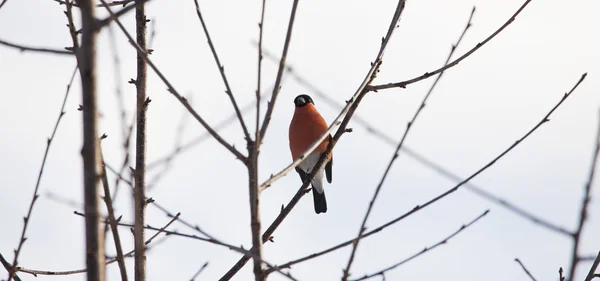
<point>346,271</point>
<point>425,250</point>
<point>113,222</point>
<point>259,73</point>
<point>222,71</point>
<point>86,57</point>
<point>35,49</point>
<point>583,215</point>
<point>131,253</point>
<point>36,194</point>
<point>143,100</point>
<point>525,269</point>
<point>403,84</point>
<point>277,86</point>
<point>172,90</point>
<point>114,16</point>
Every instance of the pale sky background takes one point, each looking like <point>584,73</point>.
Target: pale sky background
<point>479,108</point>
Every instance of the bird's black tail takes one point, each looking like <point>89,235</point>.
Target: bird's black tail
<point>320,202</point>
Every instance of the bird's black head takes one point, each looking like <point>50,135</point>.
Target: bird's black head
<point>303,100</point>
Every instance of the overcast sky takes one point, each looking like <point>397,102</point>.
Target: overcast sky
<point>480,107</point>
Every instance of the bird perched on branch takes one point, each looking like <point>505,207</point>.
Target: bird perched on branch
<point>306,127</point>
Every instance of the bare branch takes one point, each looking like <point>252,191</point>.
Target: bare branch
<point>403,84</point>
<point>131,253</point>
<point>347,115</point>
<point>176,146</point>
<point>111,218</point>
<point>525,269</point>
<point>71,26</point>
<point>112,3</point>
<point>591,275</point>
<point>259,73</point>
<point>139,192</point>
<point>165,160</point>
<point>253,149</point>
<point>36,194</point>
<point>583,216</point>
<point>222,71</point>
<point>114,16</point>
<point>255,223</point>
<point>425,250</point>
<point>199,271</point>
<point>172,90</point>
<point>448,192</point>
<point>35,49</point>
<point>277,86</point>
<point>346,271</point>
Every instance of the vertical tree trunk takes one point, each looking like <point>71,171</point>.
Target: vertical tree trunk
<point>140,156</point>
<point>91,161</point>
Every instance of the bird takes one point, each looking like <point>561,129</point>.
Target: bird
<point>306,127</point>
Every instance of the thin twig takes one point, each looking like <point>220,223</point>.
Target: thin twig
<point>71,26</point>
<point>427,162</point>
<point>277,86</point>
<point>591,275</point>
<point>176,145</point>
<point>199,271</point>
<point>104,22</point>
<point>131,253</point>
<point>36,195</point>
<point>125,163</point>
<point>3,2</point>
<point>199,139</point>
<point>525,269</point>
<point>112,219</point>
<point>347,115</point>
<point>259,73</point>
<point>425,250</point>
<point>583,215</point>
<point>195,237</point>
<point>126,130</point>
<point>118,89</point>
<point>174,92</point>
<point>152,34</point>
<point>253,149</point>
<point>222,71</point>
<point>346,271</point>
<point>64,201</point>
<point>112,3</point>
<point>209,238</point>
<point>446,193</point>
<point>35,49</point>
<point>403,84</point>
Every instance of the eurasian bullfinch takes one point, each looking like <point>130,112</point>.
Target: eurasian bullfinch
<point>306,127</point>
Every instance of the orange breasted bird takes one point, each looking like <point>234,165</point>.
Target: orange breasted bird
<point>306,127</point>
